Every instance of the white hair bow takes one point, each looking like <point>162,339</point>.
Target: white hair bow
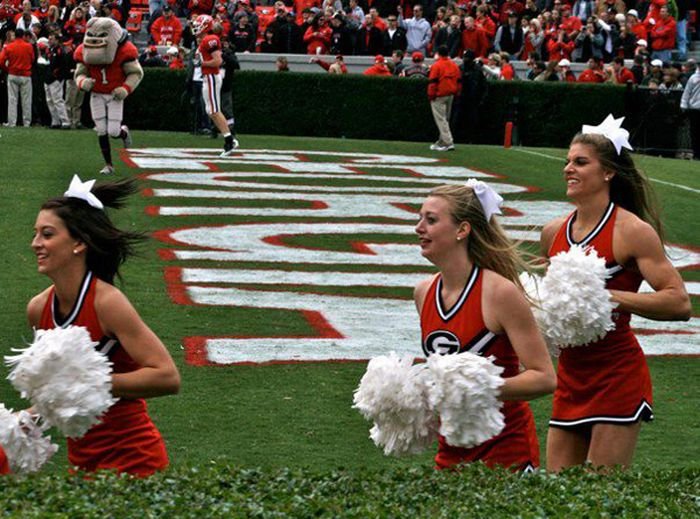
<point>488,198</point>
<point>79,189</point>
<point>612,130</point>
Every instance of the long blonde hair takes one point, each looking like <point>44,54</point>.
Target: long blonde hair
<point>487,244</point>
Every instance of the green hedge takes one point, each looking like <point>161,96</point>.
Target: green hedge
<point>355,106</point>
<point>223,491</point>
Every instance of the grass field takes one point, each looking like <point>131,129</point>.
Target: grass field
<point>297,415</point>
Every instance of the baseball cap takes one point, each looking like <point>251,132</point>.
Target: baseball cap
<point>633,12</point>
<point>657,63</point>
<point>642,43</point>
<point>379,58</point>
<point>417,56</point>
<point>564,62</point>
<point>173,51</point>
<point>167,8</point>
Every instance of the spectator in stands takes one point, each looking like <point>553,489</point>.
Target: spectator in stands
<point>167,29</point>
<point>583,9</point>
<point>287,37</point>
<point>267,45</point>
<point>484,22</point>
<point>508,7</point>
<point>565,73</point>
<point>663,35</point>
<point>337,67</point>
<point>624,42</point>
<point>151,58</point>
<point>655,73</point>
<point>341,39</point>
<point>242,35</point>
<point>507,70</point>
<point>58,72</point>
<point>282,64</point>
<point>418,30</point>
<point>560,46</point>
<point>443,85</point>
<point>75,27</point>
<point>417,68</point>
<point>570,24</point>
<point>25,19</point>
<point>594,73</point>
<point>588,44</point>
<point>394,36</point>
<point>492,68</point>
<point>355,16</point>
<point>687,70</point>
<point>683,7</point>
<point>42,12</point>
<point>175,59</point>
<point>377,20</point>
<point>396,65</point>
<point>370,39</point>
<point>534,38</point>
<point>622,75</point>
<point>690,103</point>
<point>531,11</point>
<point>642,49</point>
<point>637,69</point>
<point>199,7</point>
<point>16,58</point>
<point>669,80</point>
<point>379,68</point>
<point>636,26</point>
<point>509,37</point>
<point>318,36</point>
<point>550,72</point>
<point>451,35</point>
<point>611,7</point>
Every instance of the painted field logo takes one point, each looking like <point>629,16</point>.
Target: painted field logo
<point>315,232</point>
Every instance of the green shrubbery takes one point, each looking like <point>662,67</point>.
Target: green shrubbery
<point>355,106</point>
<point>223,491</point>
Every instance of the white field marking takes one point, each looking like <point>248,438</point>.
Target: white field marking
<point>668,343</point>
<point>284,277</point>
<point>693,287</point>
<point>364,324</point>
<point>244,242</point>
<point>241,154</point>
<point>535,213</point>
<point>679,186</point>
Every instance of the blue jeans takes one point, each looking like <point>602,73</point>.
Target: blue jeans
<point>682,39</point>
<point>663,55</point>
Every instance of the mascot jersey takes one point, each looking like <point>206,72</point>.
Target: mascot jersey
<point>126,439</point>
<point>210,44</point>
<point>4,465</point>
<point>606,381</point>
<point>109,77</point>
<point>461,329</point>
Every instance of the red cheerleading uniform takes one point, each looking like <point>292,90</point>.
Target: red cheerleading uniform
<point>606,381</point>
<point>126,439</point>
<point>461,329</point>
<point>4,464</point>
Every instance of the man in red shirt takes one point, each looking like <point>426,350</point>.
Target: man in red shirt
<point>443,84</point>
<point>167,29</point>
<point>622,75</point>
<point>379,68</point>
<point>474,38</point>
<point>594,73</point>
<point>16,58</point>
<point>209,54</point>
<point>663,35</point>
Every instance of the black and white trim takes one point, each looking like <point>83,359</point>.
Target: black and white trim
<point>644,412</point>
<point>613,269</point>
<point>446,316</point>
<point>480,343</point>
<point>596,230</point>
<point>529,468</point>
<point>77,306</point>
<point>107,346</point>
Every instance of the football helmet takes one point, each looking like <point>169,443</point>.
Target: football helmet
<point>203,24</point>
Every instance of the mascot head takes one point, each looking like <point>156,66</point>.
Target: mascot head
<point>102,38</point>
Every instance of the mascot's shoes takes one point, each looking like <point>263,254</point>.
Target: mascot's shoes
<point>107,170</point>
<point>127,136</point>
<point>229,145</point>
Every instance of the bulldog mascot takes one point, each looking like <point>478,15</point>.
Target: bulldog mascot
<point>107,66</point>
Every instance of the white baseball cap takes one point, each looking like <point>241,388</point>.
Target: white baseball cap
<point>657,63</point>
<point>564,63</point>
<point>633,12</point>
<point>642,43</point>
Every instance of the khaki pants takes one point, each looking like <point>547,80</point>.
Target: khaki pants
<point>19,88</point>
<point>56,104</point>
<point>74,102</point>
<point>442,107</point>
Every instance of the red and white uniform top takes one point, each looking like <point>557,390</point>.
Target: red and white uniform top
<point>462,329</point>
<point>606,381</point>
<point>125,439</point>
<point>210,44</point>
<point>109,77</point>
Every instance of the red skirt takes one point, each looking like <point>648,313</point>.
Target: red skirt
<point>515,447</point>
<point>605,382</point>
<point>126,441</point>
<point>4,465</point>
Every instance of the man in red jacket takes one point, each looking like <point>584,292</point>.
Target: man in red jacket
<point>443,84</point>
<point>379,68</point>
<point>167,29</point>
<point>16,58</point>
<point>663,35</point>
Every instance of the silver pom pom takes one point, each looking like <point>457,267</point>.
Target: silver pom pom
<point>21,437</point>
<point>392,393</point>
<point>464,392</point>
<point>67,381</point>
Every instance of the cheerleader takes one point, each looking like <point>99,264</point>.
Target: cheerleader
<point>604,388</point>
<point>80,250</point>
<point>475,303</point>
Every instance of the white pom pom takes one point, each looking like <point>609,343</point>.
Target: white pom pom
<point>67,381</point>
<point>22,440</point>
<point>392,393</point>
<point>465,393</point>
<point>575,306</point>
<point>532,284</point>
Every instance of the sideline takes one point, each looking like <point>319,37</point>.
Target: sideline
<point>679,186</point>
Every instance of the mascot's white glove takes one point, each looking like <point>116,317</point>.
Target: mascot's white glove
<point>87,84</point>
<point>120,93</point>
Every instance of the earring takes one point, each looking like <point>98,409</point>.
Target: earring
<point>459,239</point>
<point>75,252</point>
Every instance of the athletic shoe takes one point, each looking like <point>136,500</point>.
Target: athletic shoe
<point>235,143</point>
<point>127,136</point>
<point>230,144</point>
<point>107,170</point>
<point>434,146</point>
<point>451,147</point>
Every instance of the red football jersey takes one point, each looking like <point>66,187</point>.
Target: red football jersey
<point>607,381</point>
<point>109,77</point>
<point>210,44</point>
<point>126,439</point>
<point>462,328</point>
